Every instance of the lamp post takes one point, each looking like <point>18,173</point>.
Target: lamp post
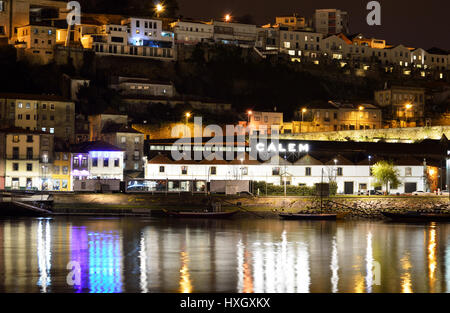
<point>188,115</point>
<point>249,114</point>
<point>159,8</point>
<point>408,107</point>
<point>360,109</point>
<point>301,124</point>
<point>227,18</point>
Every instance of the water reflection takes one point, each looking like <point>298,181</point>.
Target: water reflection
<point>44,254</point>
<point>185,277</point>
<point>246,256</point>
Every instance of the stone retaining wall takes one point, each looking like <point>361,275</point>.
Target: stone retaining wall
<point>350,206</point>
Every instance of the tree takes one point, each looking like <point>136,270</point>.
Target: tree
<point>386,175</point>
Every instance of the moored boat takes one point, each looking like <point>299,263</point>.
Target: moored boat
<point>308,216</point>
<point>200,214</point>
<point>418,216</point>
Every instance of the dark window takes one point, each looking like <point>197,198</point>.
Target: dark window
<point>308,171</point>
<point>29,153</point>
<point>340,171</point>
<point>184,170</point>
<point>84,162</point>
<point>15,153</point>
<point>15,166</point>
<point>94,162</point>
<point>275,171</point>
<point>116,162</point>
<point>29,167</point>
<point>213,170</point>
<point>161,169</point>
<point>105,162</point>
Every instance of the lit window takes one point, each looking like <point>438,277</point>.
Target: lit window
<point>52,130</point>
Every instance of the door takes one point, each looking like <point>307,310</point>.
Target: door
<point>348,188</point>
<point>410,187</point>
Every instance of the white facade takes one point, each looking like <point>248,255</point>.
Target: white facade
<point>147,32</point>
<point>192,33</point>
<point>356,175</point>
<point>243,35</point>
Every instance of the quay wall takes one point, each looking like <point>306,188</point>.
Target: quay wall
<point>136,204</point>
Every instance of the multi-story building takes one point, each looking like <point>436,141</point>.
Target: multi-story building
<point>191,32</point>
<point>46,113</point>
<point>263,123</point>
<point>331,21</point>
<point>129,86</point>
<point>243,35</point>
<point>61,172</point>
<point>36,43</point>
<point>98,122</point>
<point>300,43</point>
<point>403,106</point>
<point>135,37</point>
<point>15,14</point>
<point>335,116</point>
<point>95,160</point>
<point>128,140</point>
<point>293,22</point>
<point>29,156</point>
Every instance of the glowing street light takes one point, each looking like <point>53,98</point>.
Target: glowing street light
<point>188,115</point>
<point>227,18</point>
<point>159,8</point>
<point>408,106</point>
<point>360,108</point>
<point>249,113</point>
<point>303,112</point>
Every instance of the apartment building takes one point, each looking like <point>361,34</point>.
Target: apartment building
<point>331,21</point>
<point>95,160</point>
<point>36,43</point>
<point>129,86</point>
<point>192,33</point>
<point>293,22</point>
<point>335,116</point>
<point>128,140</point>
<point>29,157</point>
<point>300,43</point>
<point>263,123</point>
<point>243,35</point>
<point>135,37</point>
<point>18,13</point>
<point>61,170</point>
<point>47,113</point>
<point>402,106</point>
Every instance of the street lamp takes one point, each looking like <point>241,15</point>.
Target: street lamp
<point>408,107</point>
<point>227,18</point>
<point>303,112</point>
<point>360,109</point>
<point>159,8</point>
<point>188,115</point>
<point>249,113</point>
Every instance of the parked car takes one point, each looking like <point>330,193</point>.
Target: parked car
<point>376,193</point>
<point>421,193</point>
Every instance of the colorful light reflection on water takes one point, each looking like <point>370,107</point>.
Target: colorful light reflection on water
<point>245,256</point>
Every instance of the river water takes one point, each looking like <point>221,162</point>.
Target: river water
<point>80,254</point>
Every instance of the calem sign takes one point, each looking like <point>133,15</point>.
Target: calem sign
<point>281,147</point>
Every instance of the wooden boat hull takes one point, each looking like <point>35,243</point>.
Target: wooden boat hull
<point>292,216</point>
<point>418,217</point>
<point>187,214</point>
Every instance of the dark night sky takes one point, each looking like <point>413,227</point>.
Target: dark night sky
<point>417,23</point>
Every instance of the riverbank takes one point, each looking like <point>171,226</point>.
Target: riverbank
<point>152,205</point>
